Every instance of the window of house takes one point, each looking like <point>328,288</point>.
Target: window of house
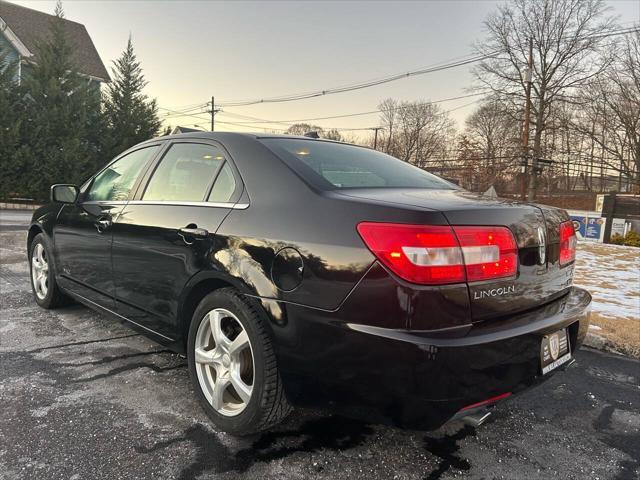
<point>115,182</point>
<point>185,173</point>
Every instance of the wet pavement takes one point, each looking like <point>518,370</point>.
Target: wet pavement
<point>84,397</point>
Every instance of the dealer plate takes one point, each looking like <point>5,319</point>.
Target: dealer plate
<point>554,351</point>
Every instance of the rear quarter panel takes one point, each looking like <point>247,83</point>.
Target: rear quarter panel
<point>286,212</point>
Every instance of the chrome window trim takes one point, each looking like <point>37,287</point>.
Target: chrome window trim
<point>235,206</point>
<point>105,202</point>
<point>151,143</point>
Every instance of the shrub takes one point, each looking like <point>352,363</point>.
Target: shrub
<point>631,239</point>
<point>617,239</point>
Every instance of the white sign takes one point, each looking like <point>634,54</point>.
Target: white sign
<point>617,227</point>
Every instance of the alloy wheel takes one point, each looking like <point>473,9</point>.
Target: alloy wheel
<point>224,362</point>
<point>40,271</point>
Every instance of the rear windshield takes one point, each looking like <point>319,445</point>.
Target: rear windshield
<point>331,166</point>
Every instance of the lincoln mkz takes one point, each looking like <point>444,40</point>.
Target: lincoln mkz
<point>300,271</point>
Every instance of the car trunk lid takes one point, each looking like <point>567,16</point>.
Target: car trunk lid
<point>540,278</point>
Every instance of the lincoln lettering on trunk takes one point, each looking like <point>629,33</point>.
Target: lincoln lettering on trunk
<point>494,292</point>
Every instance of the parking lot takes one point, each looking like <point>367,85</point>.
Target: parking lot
<point>85,397</point>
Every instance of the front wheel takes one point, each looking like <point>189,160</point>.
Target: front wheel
<point>232,364</point>
<point>43,279</point>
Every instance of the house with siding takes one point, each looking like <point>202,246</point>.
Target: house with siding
<point>22,29</point>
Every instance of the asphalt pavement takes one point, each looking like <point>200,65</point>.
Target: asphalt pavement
<point>85,397</point>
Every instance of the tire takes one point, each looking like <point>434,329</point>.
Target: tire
<point>222,368</point>
<point>50,296</point>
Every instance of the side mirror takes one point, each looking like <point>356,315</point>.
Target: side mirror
<point>64,193</point>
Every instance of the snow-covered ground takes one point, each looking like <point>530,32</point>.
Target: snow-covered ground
<point>612,274</point>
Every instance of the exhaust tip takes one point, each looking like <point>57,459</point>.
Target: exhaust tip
<point>477,419</point>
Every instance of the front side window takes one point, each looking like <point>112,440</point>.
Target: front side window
<point>185,173</point>
<point>330,166</point>
<point>115,182</point>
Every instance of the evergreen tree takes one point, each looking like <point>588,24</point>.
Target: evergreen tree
<point>10,121</point>
<point>130,115</point>
<point>9,125</point>
<point>61,118</point>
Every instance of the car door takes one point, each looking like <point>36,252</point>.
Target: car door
<point>83,234</point>
<point>166,234</point>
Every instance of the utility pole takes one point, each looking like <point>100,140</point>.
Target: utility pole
<point>213,112</point>
<point>525,129</point>
<point>375,138</point>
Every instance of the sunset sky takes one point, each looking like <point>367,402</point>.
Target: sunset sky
<point>245,50</point>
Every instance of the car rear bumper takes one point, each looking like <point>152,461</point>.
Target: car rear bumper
<point>417,379</point>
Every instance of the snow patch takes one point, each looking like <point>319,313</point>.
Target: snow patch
<point>611,273</point>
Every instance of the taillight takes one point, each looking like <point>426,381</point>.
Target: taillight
<point>489,252</point>
<point>436,255</point>
<point>416,253</point>
<point>568,242</point>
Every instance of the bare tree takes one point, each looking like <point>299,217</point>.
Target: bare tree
<point>388,109</point>
<point>415,131</point>
<point>302,128</point>
<point>566,35</point>
<point>615,109</point>
<point>332,134</point>
<point>494,139</point>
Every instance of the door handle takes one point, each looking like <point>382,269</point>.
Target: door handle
<point>194,232</point>
<point>102,224</point>
<point>191,232</point>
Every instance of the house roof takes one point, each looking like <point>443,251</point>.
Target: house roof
<point>26,28</point>
<point>180,129</point>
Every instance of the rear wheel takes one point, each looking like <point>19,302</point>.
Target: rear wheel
<point>232,364</point>
<point>43,279</point>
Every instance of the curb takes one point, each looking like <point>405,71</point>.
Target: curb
<point>18,206</point>
<point>598,342</point>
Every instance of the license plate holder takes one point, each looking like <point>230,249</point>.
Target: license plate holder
<point>554,351</point>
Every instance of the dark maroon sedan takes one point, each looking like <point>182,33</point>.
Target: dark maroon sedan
<point>297,271</point>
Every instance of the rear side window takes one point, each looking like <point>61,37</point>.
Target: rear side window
<point>224,187</point>
<point>115,181</point>
<point>331,166</point>
<point>185,173</point>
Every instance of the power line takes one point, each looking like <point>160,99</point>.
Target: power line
<point>359,86</point>
<point>189,111</point>
<point>193,115</point>
<point>296,120</point>
<point>438,67</point>
<point>391,78</point>
<point>249,124</point>
<point>259,128</point>
<point>370,112</point>
<point>227,123</point>
<point>177,114</point>
<point>623,31</point>
<point>186,109</point>
<point>341,129</point>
